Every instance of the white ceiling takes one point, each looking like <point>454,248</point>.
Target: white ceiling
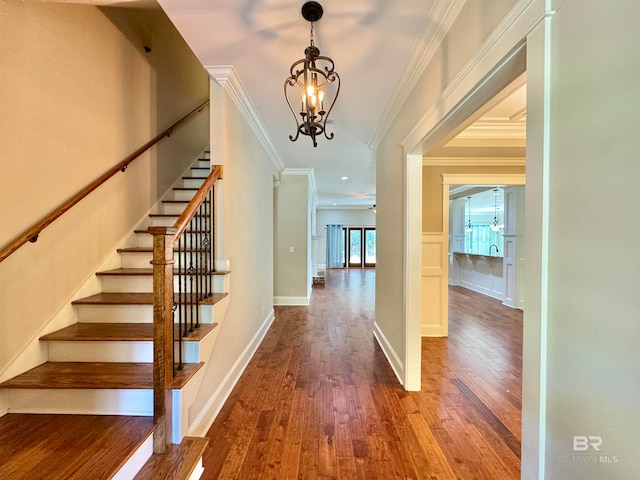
<point>371,43</point>
<point>380,48</point>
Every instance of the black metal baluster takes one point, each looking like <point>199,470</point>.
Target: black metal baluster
<point>207,243</point>
<point>198,267</point>
<point>192,272</point>
<point>181,312</point>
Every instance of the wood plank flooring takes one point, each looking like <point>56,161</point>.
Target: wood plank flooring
<point>320,401</point>
<point>68,447</point>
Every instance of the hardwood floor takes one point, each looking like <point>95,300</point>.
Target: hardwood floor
<point>320,401</point>
<point>68,447</point>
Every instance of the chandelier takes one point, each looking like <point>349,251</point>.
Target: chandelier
<point>495,226</point>
<point>309,78</point>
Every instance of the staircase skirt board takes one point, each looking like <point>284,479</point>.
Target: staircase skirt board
<point>39,447</point>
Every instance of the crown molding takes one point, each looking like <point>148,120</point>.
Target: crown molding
<point>494,129</point>
<point>517,22</point>
<point>227,77</point>
<point>473,161</point>
<point>442,16</point>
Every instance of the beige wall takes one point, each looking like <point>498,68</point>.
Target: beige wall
<point>432,190</point>
<point>476,21</point>
<point>78,95</point>
<point>248,245</point>
<point>292,229</point>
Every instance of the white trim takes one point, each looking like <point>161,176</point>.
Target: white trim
<point>507,37</point>
<point>136,461</point>
<point>208,414</point>
<point>474,161</point>
<point>412,281</point>
<point>389,352</point>
<point>292,301</point>
<point>481,179</point>
<point>441,18</point>
<point>227,77</point>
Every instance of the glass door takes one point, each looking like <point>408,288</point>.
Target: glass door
<point>360,245</point>
<point>369,247</point>
<point>355,247</point>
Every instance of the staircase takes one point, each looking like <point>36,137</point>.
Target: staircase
<point>103,364</point>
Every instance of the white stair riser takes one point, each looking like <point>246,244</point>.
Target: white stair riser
<point>115,313</point>
<point>144,283</point>
<point>197,171</point>
<point>176,208</point>
<point>192,182</point>
<point>81,401</point>
<point>145,240</point>
<point>115,352</point>
<point>163,221</point>
<point>136,259</point>
<point>134,313</point>
<point>183,194</point>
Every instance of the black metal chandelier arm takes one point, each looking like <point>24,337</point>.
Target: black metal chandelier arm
<point>289,81</point>
<point>332,78</point>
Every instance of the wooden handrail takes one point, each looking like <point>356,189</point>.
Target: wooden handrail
<point>183,221</point>
<point>31,234</point>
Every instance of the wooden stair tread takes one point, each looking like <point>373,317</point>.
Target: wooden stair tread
<point>96,375</point>
<point>177,463</point>
<point>135,299</point>
<point>150,249</point>
<point>168,215</point>
<point>182,189</point>
<point>144,272</point>
<point>73,447</point>
<point>120,332</point>
<point>186,231</point>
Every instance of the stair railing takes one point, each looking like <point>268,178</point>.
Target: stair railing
<point>183,266</point>
<point>31,233</point>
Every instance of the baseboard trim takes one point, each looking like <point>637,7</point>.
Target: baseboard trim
<point>392,357</point>
<point>205,419</point>
<point>292,301</point>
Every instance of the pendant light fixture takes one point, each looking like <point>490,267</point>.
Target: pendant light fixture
<point>495,227</point>
<point>469,227</point>
<point>309,78</point>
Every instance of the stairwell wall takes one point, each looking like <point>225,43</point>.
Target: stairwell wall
<point>79,93</point>
<point>246,228</point>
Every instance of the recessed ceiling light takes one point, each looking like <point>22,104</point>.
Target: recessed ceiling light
<point>334,204</point>
<point>344,178</point>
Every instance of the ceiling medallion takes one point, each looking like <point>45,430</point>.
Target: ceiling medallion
<point>309,78</point>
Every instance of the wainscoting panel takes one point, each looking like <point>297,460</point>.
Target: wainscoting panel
<point>434,284</point>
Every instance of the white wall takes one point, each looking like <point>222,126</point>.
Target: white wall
<point>593,375</point>
<point>347,217</point>
<point>78,95</point>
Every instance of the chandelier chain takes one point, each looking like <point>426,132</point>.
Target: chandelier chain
<point>311,35</point>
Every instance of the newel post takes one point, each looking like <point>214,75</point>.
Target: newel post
<point>162,334</point>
